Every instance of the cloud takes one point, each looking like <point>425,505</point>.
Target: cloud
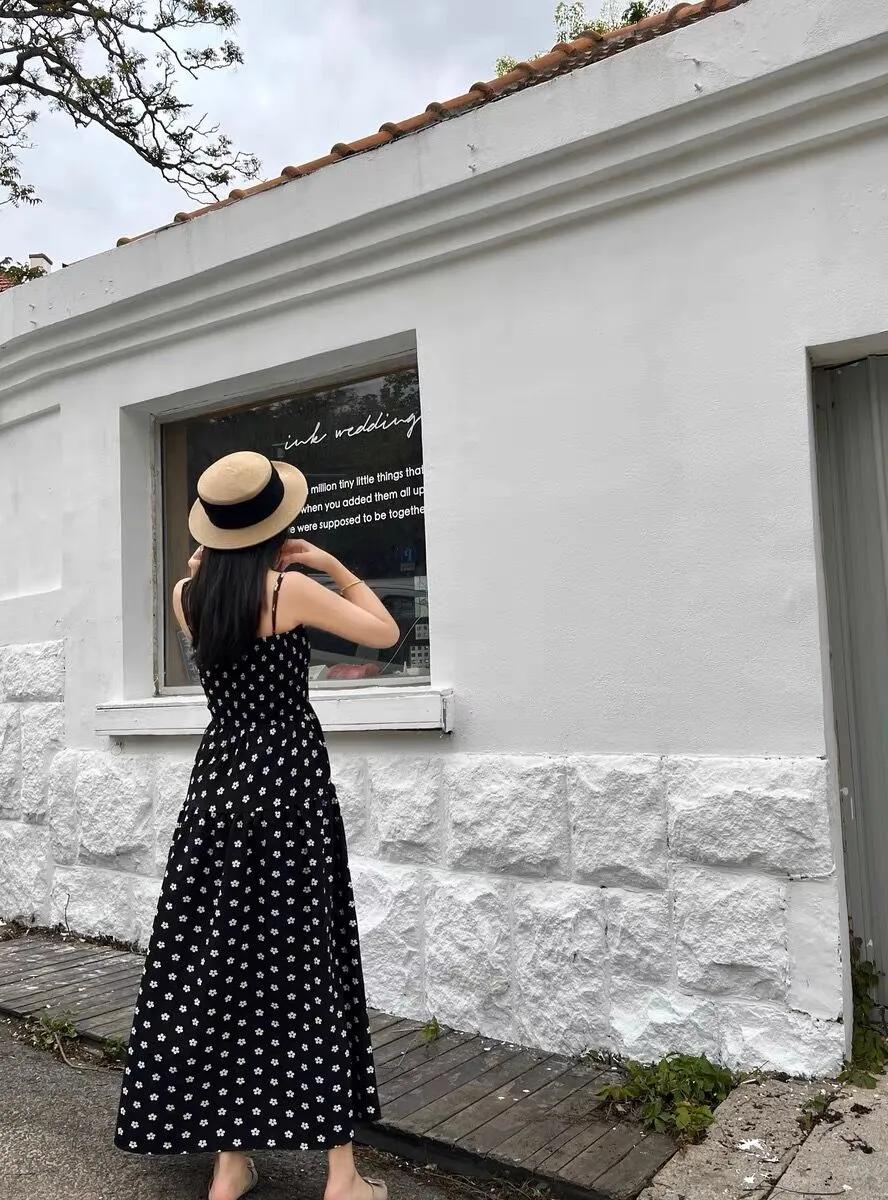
<point>314,75</point>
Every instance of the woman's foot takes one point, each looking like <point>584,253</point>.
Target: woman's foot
<point>233,1176</point>
<point>343,1180</point>
<point>356,1188</point>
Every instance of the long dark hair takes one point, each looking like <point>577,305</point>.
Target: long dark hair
<point>223,602</point>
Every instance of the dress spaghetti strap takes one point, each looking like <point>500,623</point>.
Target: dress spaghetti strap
<point>274,601</point>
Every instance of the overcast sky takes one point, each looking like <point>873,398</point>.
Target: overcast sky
<point>315,74</point>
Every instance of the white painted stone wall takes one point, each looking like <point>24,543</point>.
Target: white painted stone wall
<point>636,904</point>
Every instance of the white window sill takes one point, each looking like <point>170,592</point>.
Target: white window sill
<point>339,711</point>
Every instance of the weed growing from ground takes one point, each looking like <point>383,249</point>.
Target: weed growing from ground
<point>677,1095</point>
<point>869,1049</point>
<point>48,1029</point>
<point>431,1031</point>
<point>817,1109</point>
<point>113,1050</point>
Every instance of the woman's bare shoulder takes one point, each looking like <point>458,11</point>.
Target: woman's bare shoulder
<point>177,605</point>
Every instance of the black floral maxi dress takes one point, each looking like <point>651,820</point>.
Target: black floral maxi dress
<point>251,1029</point>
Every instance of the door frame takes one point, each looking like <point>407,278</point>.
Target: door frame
<point>838,695</point>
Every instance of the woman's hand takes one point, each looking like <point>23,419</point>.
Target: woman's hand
<point>194,561</point>
<point>304,554</point>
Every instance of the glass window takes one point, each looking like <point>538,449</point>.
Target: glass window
<point>360,447</point>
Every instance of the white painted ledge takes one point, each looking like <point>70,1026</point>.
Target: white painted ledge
<point>339,711</point>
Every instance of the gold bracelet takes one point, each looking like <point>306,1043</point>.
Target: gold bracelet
<point>354,583</point>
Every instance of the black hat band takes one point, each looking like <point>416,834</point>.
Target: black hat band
<point>248,512</point>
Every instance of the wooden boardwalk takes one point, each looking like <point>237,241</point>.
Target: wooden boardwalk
<point>465,1103</point>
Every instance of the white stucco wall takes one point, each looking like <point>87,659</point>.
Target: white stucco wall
<point>629,839</point>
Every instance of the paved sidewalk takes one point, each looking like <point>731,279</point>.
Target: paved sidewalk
<point>846,1155</point>
<point>756,1150</point>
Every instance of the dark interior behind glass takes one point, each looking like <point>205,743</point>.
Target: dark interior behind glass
<point>360,446</point>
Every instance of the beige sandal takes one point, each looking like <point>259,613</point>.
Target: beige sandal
<point>254,1179</point>
<point>378,1188</point>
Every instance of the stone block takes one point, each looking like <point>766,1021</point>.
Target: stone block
<point>170,789</point>
<point>731,933</point>
<point>468,953</point>
<point>506,814</point>
<point>26,872</point>
<point>639,935</point>
<point>350,780</point>
<point>10,761</point>
<point>43,736</point>
<point>405,808</point>
<point>388,900</point>
<point>771,1037</point>
<point>95,902</point>
<point>649,1023</point>
<point>770,814</point>
<point>64,820</point>
<point>618,821</point>
<point>113,794</point>
<point>560,996</point>
<point>33,672</point>
<point>815,959</point>
<point>146,893</point>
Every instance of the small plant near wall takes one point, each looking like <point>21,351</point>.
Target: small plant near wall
<point>869,1049</point>
<point>49,1029</point>
<point>114,1051</point>
<point>817,1109</point>
<point>431,1031</point>
<point>676,1096</point>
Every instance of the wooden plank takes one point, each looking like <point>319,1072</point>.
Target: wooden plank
<point>55,990</point>
<point>40,957</point>
<point>10,952</point>
<point>94,1004</point>
<point>52,952</point>
<point>530,1104</point>
<point>394,1032</point>
<point>422,1055</point>
<point>19,965</point>
<point>634,1172</point>
<point>58,1001</point>
<point>463,1123</point>
<point>606,1152</point>
<point>380,1020</point>
<point>113,1024</point>
<point>425,1071</point>
<point>66,967</point>
<point>47,945</point>
<point>15,979</point>
<point>395,1049</point>
<point>447,1082</point>
<point>81,1005</point>
<point>493,1078</point>
<point>563,1119</point>
<point>549,1160</point>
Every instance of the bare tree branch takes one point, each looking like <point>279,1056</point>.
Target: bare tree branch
<point>137,59</point>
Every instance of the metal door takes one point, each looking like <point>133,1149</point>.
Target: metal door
<point>851,426</point>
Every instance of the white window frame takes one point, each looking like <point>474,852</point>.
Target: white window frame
<point>183,710</point>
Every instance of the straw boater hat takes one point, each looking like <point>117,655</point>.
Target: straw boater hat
<point>244,499</point>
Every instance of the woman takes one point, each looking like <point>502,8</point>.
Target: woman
<point>251,1029</point>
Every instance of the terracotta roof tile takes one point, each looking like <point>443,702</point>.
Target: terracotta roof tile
<point>589,48</point>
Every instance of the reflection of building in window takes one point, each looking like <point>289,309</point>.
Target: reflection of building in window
<point>360,446</point>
